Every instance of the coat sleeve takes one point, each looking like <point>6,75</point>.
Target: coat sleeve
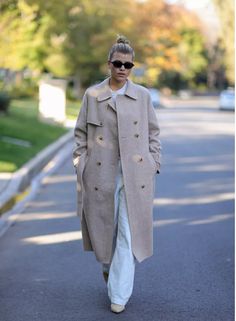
<point>80,132</point>
<point>154,131</point>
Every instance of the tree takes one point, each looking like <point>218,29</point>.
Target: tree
<point>169,42</point>
<point>226,12</point>
<point>65,38</point>
<point>73,37</point>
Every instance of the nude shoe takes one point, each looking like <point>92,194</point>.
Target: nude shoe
<point>117,308</point>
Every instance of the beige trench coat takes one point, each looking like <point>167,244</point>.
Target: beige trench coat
<point>105,133</point>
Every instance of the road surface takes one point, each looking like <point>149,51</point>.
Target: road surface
<point>46,276</point>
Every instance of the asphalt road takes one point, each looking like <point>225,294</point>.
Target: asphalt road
<point>45,274</point>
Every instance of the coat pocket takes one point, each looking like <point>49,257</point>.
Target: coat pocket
<point>82,161</point>
<point>152,162</point>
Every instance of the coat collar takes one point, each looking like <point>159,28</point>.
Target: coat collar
<point>105,91</point>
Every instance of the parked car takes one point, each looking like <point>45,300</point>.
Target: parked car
<point>155,96</point>
<point>185,93</point>
<point>227,99</point>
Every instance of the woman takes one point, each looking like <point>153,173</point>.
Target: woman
<point>116,155</point>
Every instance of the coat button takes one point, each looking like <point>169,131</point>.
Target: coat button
<point>136,135</point>
<point>101,123</point>
<point>100,137</point>
<point>143,186</point>
<point>140,159</point>
<point>96,189</point>
<point>99,163</point>
<point>135,122</point>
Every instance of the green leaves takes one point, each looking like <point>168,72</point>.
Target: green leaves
<point>226,12</point>
<point>73,37</point>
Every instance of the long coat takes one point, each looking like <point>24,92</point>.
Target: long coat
<point>105,133</point>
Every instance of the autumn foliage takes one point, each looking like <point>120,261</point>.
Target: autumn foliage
<point>72,38</point>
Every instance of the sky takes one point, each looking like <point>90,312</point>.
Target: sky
<point>206,12</point>
<point>191,4</point>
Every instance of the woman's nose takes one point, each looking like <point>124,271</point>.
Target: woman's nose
<point>122,67</point>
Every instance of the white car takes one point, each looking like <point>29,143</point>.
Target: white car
<point>227,99</point>
<point>155,96</point>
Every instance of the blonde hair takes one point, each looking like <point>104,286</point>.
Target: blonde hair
<point>122,45</point>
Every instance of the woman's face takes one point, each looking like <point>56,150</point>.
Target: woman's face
<point>120,74</point>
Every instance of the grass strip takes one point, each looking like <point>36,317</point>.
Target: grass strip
<point>22,123</point>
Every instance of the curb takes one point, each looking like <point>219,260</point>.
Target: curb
<point>22,178</point>
<point>8,218</point>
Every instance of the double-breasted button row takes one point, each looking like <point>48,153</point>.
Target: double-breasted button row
<point>135,123</point>
<point>99,164</point>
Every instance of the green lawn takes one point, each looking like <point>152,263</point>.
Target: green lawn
<point>22,123</point>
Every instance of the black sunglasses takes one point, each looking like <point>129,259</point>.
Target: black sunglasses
<point>119,64</point>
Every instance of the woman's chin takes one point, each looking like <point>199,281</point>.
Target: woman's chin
<point>121,78</point>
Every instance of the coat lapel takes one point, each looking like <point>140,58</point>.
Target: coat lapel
<point>105,92</point>
<point>131,90</point>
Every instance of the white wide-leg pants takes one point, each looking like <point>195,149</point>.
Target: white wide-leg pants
<point>122,267</point>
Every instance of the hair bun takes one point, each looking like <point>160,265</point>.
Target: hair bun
<point>122,39</point>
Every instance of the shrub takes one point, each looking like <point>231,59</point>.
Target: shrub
<point>4,102</point>
<point>23,91</point>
